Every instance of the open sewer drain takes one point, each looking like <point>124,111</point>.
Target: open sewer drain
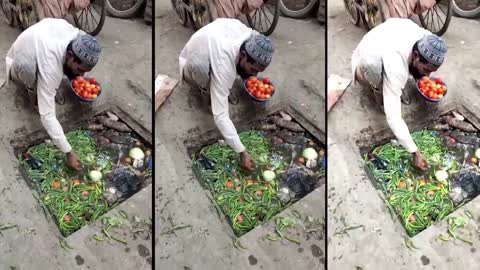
<point>290,163</point>
<point>116,161</point>
<point>421,199</point>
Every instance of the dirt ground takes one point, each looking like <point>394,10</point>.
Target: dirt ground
<point>352,199</point>
<point>179,197</point>
<point>124,70</point>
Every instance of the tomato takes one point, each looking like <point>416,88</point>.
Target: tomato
<point>440,96</point>
<point>266,81</point>
<point>75,84</point>
<point>93,81</point>
<point>438,80</point>
<point>99,88</point>
<point>56,184</point>
<point>267,96</point>
<point>229,184</point>
<point>412,218</point>
<point>402,184</point>
<point>94,96</point>
<point>83,94</point>
<point>239,218</point>
<point>66,218</point>
<point>76,182</point>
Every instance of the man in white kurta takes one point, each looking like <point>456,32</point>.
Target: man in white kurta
<point>383,61</point>
<point>37,62</point>
<point>210,62</point>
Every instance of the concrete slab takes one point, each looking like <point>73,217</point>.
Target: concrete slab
<point>298,70</point>
<point>126,57</point>
<point>351,196</point>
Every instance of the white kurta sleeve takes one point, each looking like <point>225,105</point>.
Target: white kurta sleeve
<point>393,81</point>
<point>219,95</point>
<point>222,79</point>
<point>46,90</point>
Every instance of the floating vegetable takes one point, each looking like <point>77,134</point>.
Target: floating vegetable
<point>269,176</point>
<point>441,175</point>
<point>477,153</point>
<point>136,153</point>
<point>96,176</point>
<point>310,153</point>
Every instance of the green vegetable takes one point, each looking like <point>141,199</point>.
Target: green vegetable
<point>95,176</point>
<point>310,154</point>
<point>136,153</point>
<point>269,176</point>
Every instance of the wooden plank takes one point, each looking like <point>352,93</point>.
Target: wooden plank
<point>164,86</point>
<point>336,86</point>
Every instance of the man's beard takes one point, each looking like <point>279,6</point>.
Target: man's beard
<point>242,73</point>
<point>415,72</point>
<point>69,72</point>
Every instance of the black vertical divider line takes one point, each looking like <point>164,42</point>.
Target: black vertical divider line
<point>326,134</point>
<point>153,135</point>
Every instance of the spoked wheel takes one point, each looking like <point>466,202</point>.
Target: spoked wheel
<point>297,8</point>
<point>92,18</point>
<point>200,15</point>
<point>466,8</point>
<point>179,7</point>
<point>353,11</point>
<point>265,18</point>
<point>8,12</point>
<point>437,19</point>
<point>125,9</point>
<point>373,15</point>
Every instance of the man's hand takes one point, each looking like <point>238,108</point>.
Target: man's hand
<point>246,161</point>
<point>73,161</point>
<point>419,161</point>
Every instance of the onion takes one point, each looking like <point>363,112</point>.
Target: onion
<point>136,153</point>
<point>96,176</point>
<point>309,153</point>
<point>269,176</point>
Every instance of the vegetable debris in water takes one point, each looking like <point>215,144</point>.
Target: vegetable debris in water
<point>419,200</point>
<point>247,199</point>
<point>72,201</point>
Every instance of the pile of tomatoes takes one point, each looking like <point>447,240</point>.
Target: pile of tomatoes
<point>433,89</point>
<point>86,88</point>
<point>259,88</point>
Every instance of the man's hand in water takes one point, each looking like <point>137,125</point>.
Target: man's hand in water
<point>419,161</point>
<point>246,161</point>
<point>73,161</point>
